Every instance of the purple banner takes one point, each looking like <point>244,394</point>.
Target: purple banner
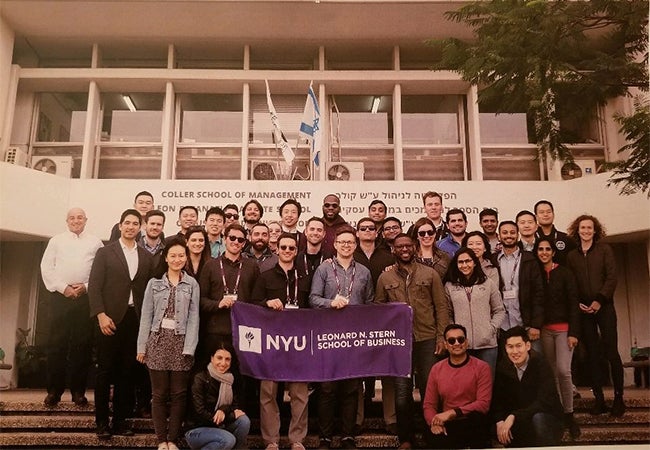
<point>323,344</point>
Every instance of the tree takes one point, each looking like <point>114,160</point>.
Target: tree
<point>552,59</point>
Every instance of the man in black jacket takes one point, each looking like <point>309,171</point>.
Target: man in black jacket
<point>525,404</point>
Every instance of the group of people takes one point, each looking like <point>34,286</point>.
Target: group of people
<point>497,314</point>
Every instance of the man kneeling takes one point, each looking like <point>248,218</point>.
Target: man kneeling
<point>526,405</point>
<point>458,396</point>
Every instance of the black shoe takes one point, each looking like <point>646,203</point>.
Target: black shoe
<point>348,442</point>
<point>599,403</point>
<point>103,432</point>
<point>79,400</point>
<point>618,407</point>
<point>572,426</point>
<point>324,444</point>
<point>123,429</point>
<point>51,400</point>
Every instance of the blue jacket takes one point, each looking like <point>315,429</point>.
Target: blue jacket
<point>186,309</point>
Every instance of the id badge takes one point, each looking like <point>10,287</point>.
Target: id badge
<point>510,294</point>
<point>232,297</point>
<point>169,324</point>
<point>291,306</point>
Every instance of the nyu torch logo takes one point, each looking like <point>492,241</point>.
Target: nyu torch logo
<point>250,339</point>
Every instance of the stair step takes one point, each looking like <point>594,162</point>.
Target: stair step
<point>612,435</point>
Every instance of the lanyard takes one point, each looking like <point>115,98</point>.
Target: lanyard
<point>514,270</point>
<point>223,278</point>
<point>294,300</point>
<point>309,268</point>
<point>338,282</point>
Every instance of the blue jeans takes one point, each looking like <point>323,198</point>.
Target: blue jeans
<point>423,359</point>
<point>232,435</point>
<point>543,430</point>
<point>489,355</point>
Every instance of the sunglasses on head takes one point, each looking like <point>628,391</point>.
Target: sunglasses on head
<point>367,228</point>
<point>232,216</point>
<point>232,238</point>
<point>287,247</point>
<point>426,233</point>
<point>330,205</point>
<point>453,340</point>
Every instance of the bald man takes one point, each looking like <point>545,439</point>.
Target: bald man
<point>65,268</point>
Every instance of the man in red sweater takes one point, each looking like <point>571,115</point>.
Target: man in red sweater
<point>458,395</point>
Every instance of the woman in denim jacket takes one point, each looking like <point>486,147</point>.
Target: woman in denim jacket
<point>169,332</point>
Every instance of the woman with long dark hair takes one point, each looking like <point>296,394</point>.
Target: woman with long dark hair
<point>594,266</point>
<point>479,242</point>
<point>169,332</point>
<point>561,327</point>
<point>424,235</point>
<point>215,420</point>
<point>476,303</point>
<point>199,251</point>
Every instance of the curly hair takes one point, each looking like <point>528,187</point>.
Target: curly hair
<point>599,229</point>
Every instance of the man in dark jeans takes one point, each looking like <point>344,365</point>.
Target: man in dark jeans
<point>419,286</point>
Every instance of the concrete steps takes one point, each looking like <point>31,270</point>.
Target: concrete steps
<point>26,423</point>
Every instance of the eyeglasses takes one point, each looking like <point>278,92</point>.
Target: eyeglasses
<point>392,228</point>
<point>462,262</point>
<point>426,233</point>
<point>453,340</point>
<point>367,228</point>
<point>232,238</point>
<point>344,243</point>
<point>287,247</point>
<point>232,216</point>
<point>330,205</point>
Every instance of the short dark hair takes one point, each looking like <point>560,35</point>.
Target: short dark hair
<point>183,208</point>
<point>231,206</point>
<point>486,242</point>
<point>377,202</point>
<point>428,194</point>
<point>259,224</point>
<point>456,211</point>
<point>131,212</point>
<point>455,326</point>
<point>508,222</point>
<point>256,203</point>
<point>517,331</point>
<point>543,202</point>
<point>292,236</point>
<point>401,235</point>
<point>143,194</point>
<point>345,229</point>
<point>550,241</point>
<point>365,219</point>
<point>488,212</point>
<point>522,213</point>
<point>152,213</point>
<point>291,201</point>
<point>235,226</point>
<point>316,219</point>
<point>215,210</point>
<point>393,219</point>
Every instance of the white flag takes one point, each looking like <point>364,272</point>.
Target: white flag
<point>280,140</point>
<point>310,126</point>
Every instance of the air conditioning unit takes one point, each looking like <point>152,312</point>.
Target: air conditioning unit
<point>559,170</point>
<point>270,170</point>
<point>15,155</point>
<point>56,165</point>
<point>344,171</point>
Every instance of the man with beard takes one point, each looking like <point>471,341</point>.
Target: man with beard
<point>392,227</point>
<point>489,220</point>
<point>151,240</point>
<point>457,223</point>
<point>523,288</point>
<point>308,260</point>
<point>215,220</point>
<point>253,212</point>
<point>258,249</point>
<point>332,220</point>
<point>420,287</point>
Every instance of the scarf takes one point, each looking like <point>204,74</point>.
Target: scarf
<point>225,387</point>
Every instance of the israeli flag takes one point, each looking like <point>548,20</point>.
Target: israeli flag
<point>310,126</point>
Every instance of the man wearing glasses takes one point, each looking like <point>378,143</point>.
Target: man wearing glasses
<point>338,282</point>
<point>333,220</point>
<point>458,395</point>
<point>420,287</point>
<point>283,288</point>
<point>392,227</point>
